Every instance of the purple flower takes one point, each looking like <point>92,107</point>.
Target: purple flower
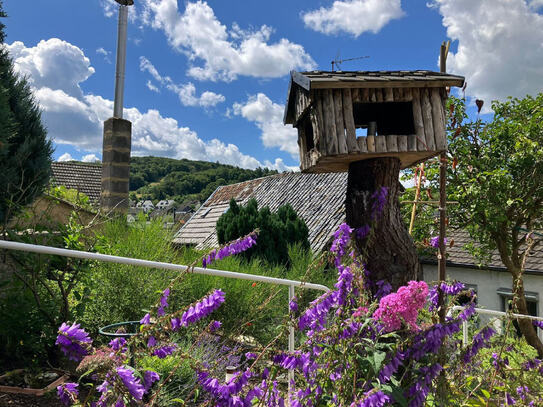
<point>250,355</point>
<point>117,343</point>
<point>537,323</point>
<point>73,341</point>
<point>67,393</point>
<point>479,341</point>
<point>362,232</point>
<point>434,241</point>
<point>151,341</point>
<point>203,308</point>
<point>164,351</point>
<point>509,401</point>
<point>373,399</point>
<point>133,385</point>
<point>523,391</point>
<point>149,377</point>
<point>236,247</point>
<point>293,305</point>
<point>379,198</point>
<point>214,325</point>
<point>146,319</point>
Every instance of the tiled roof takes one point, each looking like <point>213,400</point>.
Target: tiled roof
<point>86,178</point>
<point>333,79</point>
<point>458,254</point>
<point>317,198</point>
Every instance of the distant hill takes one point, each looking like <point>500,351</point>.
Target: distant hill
<point>184,180</point>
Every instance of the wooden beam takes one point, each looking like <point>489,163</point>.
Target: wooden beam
<point>348,117</point>
<point>403,143</point>
<point>380,144</point>
<point>438,120</point>
<point>370,141</point>
<point>329,123</point>
<point>418,121</point>
<point>340,126</point>
<point>427,119</point>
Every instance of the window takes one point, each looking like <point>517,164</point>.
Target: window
<point>308,134</point>
<point>391,117</point>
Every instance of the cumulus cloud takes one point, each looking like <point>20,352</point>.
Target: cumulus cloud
<point>90,158</point>
<point>217,53</point>
<point>353,16</point>
<point>268,116</point>
<point>500,46</point>
<point>185,92</point>
<point>75,118</point>
<point>65,157</point>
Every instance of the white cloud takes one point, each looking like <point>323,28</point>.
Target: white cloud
<point>65,157</point>
<point>186,92</point>
<point>53,63</point>
<point>280,165</point>
<point>500,46</point>
<point>105,53</point>
<point>223,54</point>
<point>268,116</point>
<point>152,87</point>
<point>353,16</point>
<point>76,119</point>
<point>90,158</point>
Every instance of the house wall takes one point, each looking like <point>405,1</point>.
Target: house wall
<point>488,283</point>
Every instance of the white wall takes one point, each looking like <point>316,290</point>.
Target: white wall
<point>488,282</point>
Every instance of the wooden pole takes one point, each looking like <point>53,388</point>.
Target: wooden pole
<point>442,259</point>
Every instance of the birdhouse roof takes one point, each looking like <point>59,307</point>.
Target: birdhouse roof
<point>366,79</point>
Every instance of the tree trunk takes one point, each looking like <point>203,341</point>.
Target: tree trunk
<point>390,254</point>
<point>519,307</point>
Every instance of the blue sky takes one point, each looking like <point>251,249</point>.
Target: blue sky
<point>208,80</point>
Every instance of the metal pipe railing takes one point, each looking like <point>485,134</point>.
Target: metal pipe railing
<point>55,251</point>
<point>489,312</point>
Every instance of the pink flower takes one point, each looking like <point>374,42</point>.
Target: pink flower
<point>402,307</point>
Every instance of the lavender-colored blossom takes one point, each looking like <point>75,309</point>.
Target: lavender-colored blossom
<point>151,341</point>
<point>315,315</point>
<point>250,355</point>
<point>74,342</point>
<point>149,377</point>
<point>379,198</point>
<point>363,232</point>
<point>203,308</point>
<point>383,288</point>
<point>119,402</point>
<point>373,399</point>
<point>164,351</point>
<point>225,394</point>
<point>537,323</point>
<point>214,326</point>
<point>509,401</point>
<point>434,241</point>
<point>146,319</point>
<point>293,305</point>
<point>133,385</point>
<point>523,391</point>
<point>479,341</point>
<point>117,343</point>
<point>67,393</point>
<point>236,247</point>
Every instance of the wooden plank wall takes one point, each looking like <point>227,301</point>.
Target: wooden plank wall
<point>331,114</point>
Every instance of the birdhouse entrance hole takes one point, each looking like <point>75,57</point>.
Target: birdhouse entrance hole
<point>391,118</point>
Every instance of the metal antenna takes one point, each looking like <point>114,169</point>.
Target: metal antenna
<point>337,61</point>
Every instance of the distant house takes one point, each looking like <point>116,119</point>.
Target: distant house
<point>165,204</point>
<point>319,200</point>
<point>147,206</point>
<point>83,177</point>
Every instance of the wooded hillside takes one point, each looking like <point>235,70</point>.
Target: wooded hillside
<point>167,178</point>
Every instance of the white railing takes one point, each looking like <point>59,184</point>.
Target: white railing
<point>292,284</point>
<point>497,314</point>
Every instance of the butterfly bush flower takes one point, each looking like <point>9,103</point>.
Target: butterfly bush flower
<point>133,385</point>
<point>67,393</point>
<point>402,306</point>
<point>74,342</point>
<point>238,246</point>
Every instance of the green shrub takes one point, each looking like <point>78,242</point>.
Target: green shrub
<point>276,230</point>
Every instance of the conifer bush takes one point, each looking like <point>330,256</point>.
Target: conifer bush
<point>276,230</point>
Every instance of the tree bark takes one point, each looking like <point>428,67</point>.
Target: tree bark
<point>519,307</point>
<point>390,253</point>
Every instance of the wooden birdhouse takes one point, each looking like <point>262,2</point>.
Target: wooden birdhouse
<point>343,117</point>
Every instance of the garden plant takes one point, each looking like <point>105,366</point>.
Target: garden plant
<point>359,345</point>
